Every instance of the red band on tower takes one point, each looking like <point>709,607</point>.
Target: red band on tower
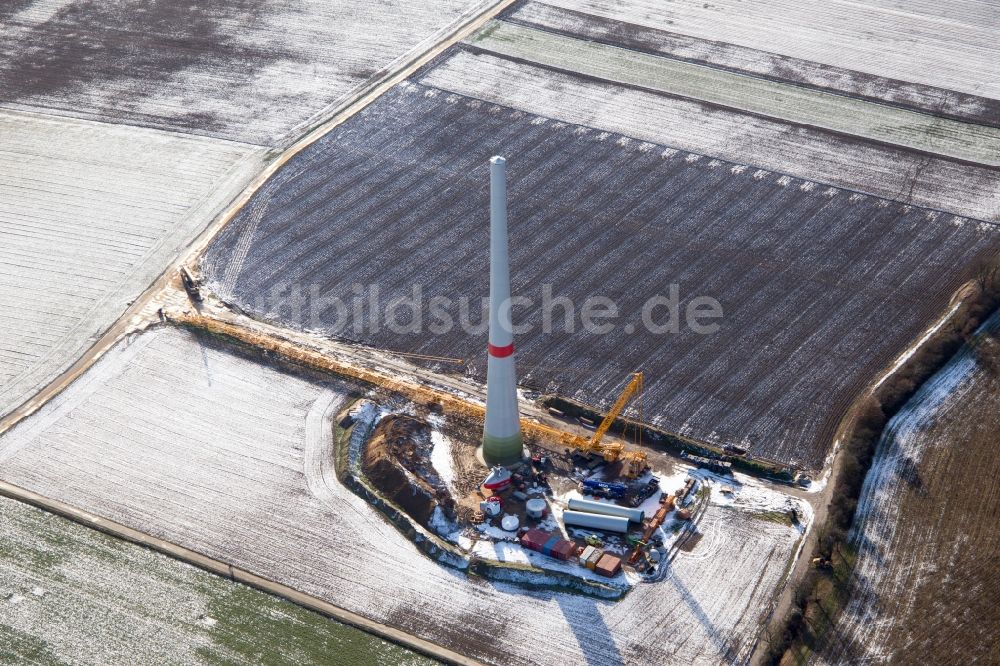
<point>501,352</point>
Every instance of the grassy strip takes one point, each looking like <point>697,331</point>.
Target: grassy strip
<point>823,593</point>
<point>671,442</point>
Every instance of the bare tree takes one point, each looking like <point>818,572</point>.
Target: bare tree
<point>988,275</point>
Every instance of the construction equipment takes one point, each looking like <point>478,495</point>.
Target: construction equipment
<point>268,339</point>
<point>651,526</point>
<point>191,286</point>
<point>635,461</point>
<point>721,466</point>
<point>606,489</point>
<point>633,387</point>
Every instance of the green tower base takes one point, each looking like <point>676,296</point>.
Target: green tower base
<point>502,450</point>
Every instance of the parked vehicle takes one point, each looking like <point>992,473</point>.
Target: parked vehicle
<point>607,489</point>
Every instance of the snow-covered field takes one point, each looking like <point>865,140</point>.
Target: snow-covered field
<point>686,124</point>
<point>71,595</point>
<point>807,274</point>
<point>774,99</point>
<point>924,587</point>
<point>189,442</point>
<point>949,45</point>
<point>90,214</point>
<point>249,70</point>
<point>661,37</point>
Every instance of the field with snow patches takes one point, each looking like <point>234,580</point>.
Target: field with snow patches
<point>234,459</point>
<point>925,586</point>
<point>807,275</point>
<point>247,70</point>
<point>71,595</point>
<point>945,45</point>
<point>686,124</point>
<point>90,215</point>
<point>751,94</point>
<point>659,38</point>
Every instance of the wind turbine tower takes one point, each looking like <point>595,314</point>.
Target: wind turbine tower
<point>502,444</point>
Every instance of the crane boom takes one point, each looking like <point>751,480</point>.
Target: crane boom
<point>635,461</point>
<point>632,388</point>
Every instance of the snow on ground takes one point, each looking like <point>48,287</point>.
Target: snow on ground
<point>441,457</point>
<point>686,124</point>
<point>904,530</point>
<point>248,70</point>
<point>69,594</point>
<point>660,38</point>
<point>90,215</point>
<point>905,356</point>
<point>951,46</point>
<point>778,392</point>
<point>174,436</point>
<point>752,94</point>
<point>745,493</point>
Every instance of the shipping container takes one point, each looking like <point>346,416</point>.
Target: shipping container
<point>590,557</point>
<point>549,544</point>
<point>563,550</point>
<point>535,539</point>
<point>609,565</point>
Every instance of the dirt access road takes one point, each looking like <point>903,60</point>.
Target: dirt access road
<point>143,310</point>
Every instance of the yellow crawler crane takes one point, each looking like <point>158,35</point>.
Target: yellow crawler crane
<point>635,461</point>
<point>612,451</point>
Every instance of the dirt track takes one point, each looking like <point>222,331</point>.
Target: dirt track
<point>142,311</point>
<point>924,589</point>
<point>394,200</point>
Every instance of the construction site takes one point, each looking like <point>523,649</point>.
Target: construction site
<point>496,331</point>
<point>569,496</point>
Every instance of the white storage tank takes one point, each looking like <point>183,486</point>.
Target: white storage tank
<point>596,521</point>
<point>536,508</point>
<point>590,506</point>
<point>509,523</point>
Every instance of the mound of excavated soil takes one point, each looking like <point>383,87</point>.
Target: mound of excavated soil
<point>392,460</point>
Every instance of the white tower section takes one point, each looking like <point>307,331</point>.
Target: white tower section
<point>502,443</point>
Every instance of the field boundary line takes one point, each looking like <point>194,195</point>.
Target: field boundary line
<point>236,574</point>
<point>915,130</point>
<point>134,318</point>
<point>352,106</point>
<point>701,152</point>
<point>595,31</point>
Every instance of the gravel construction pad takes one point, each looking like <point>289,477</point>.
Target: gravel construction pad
<point>248,70</point>
<point>177,437</point>
<point>820,287</point>
<point>90,215</point>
